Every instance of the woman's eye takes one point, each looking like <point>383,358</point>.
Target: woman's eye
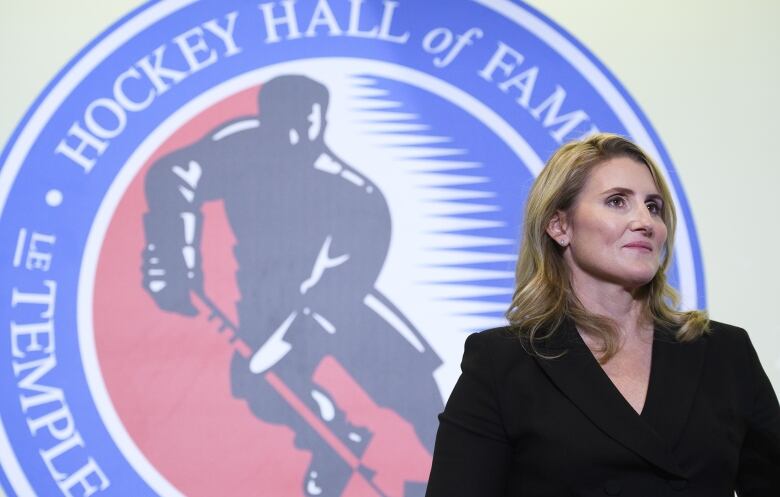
<point>653,207</point>
<point>616,202</point>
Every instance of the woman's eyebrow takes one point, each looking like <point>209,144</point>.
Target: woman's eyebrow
<point>619,189</point>
<point>629,191</point>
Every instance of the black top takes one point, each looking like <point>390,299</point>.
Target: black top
<point>520,425</point>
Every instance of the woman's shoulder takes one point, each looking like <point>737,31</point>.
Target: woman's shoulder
<point>716,333</point>
<point>493,334</point>
<point>497,357</point>
<point>730,342</point>
<point>498,346</point>
<point>726,335</point>
<point>494,340</point>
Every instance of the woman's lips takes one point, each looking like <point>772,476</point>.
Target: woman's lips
<point>639,245</point>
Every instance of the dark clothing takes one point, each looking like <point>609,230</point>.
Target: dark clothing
<point>521,425</point>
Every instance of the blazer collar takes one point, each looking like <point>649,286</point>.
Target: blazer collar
<point>674,376</point>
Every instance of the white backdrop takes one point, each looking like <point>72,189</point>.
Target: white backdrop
<point>706,77</point>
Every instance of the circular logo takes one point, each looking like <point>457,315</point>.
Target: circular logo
<point>244,242</point>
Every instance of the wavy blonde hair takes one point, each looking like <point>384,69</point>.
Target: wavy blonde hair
<point>543,295</point>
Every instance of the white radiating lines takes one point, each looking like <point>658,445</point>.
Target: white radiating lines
<point>379,105</point>
<point>451,201</point>
<point>454,208</point>
<point>418,152</point>
<point>400,140</point>
<point>422,165</point>
<point>365,89</point>
<point>394,127</point>
<point>455,194</point>
<point>391,116</point>
<point>457,240</point>
<point>459,291</point>
<point>455,257</point>
<point>447,179</point>
<point>449,224</point>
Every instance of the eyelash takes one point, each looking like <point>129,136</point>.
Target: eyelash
<point>652,205</point>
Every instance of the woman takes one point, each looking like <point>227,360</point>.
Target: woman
<point>599,386</point>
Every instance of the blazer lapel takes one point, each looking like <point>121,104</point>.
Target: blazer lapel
<point>675,375</point>
<point>579,376</point>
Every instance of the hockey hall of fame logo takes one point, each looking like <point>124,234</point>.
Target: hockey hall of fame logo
<point>243,242</point>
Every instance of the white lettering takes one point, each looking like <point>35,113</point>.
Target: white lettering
<point>225,34</point>
<point>323,16</point>
<point>354,21</point>
<point>78,154</point>
<point>45,394</point>
<point>33,332</point>
<point>553,106</point>
<point>51,419</point>
<point>46,299</point>
<point>152,66</point>
<point>81,478</point>
<point>125,101</point>
<point>39,258</point>
<point>525,82</point>
<point>114,108</point>
<point>386,24</point>
<point>191,50</point>
<point>437,40</point>
<point>463,40</point>
<point>497,62</point>
<point>55,418</point>
<point>49,455</point>
<point>272,22</point>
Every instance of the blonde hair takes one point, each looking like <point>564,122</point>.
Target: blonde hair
<point>543,295</point>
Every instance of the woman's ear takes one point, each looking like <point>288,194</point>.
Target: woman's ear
<point>557,228</point>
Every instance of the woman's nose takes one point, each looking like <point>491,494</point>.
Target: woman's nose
<point>642,220</point>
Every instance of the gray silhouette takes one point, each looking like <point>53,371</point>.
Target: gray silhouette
<point>312,236</point>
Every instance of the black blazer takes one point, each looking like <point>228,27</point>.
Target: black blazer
<point>519,425</point>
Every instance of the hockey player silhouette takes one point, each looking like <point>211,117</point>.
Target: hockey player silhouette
<point>312,236</point>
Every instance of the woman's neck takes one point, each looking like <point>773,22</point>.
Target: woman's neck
<point>626,308</point>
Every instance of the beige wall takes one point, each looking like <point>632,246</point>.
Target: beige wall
<point>706,75</point>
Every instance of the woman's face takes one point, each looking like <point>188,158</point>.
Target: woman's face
<point>614,231</point>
